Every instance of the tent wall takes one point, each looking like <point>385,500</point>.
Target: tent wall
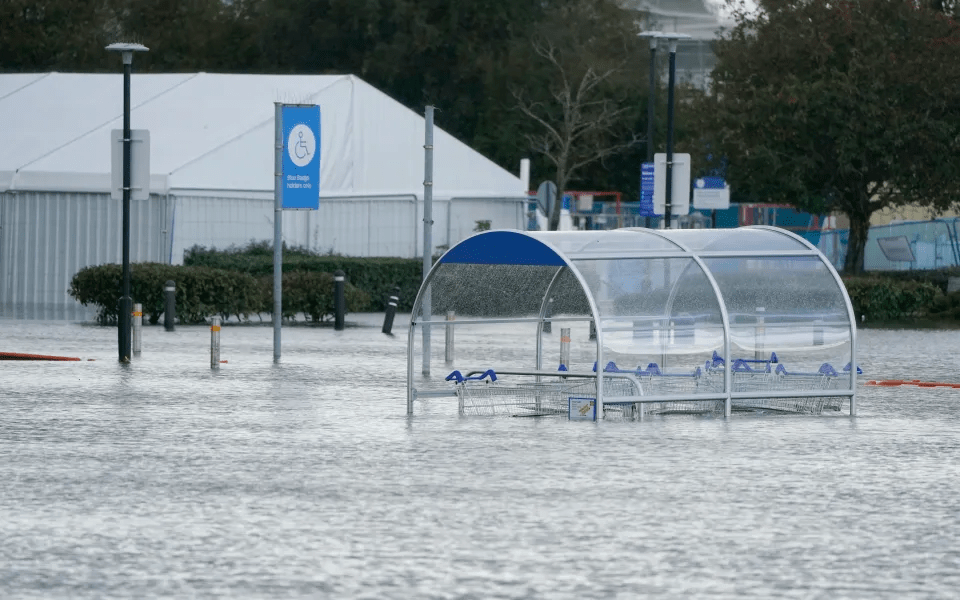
<point>46,237</point>
<point>367,226</point>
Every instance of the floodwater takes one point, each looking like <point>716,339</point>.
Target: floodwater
<point>164,478</point>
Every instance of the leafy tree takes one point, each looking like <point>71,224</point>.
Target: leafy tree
<point>45,35</point>
<point>846,105</point>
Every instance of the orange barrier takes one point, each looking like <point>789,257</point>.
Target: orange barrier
<point>916,382</point>
<point>22,356</point>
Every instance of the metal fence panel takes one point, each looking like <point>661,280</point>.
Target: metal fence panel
<point>47,237</point>
<point>934,245</point>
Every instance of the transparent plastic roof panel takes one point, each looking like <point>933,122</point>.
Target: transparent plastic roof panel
<point>631,323</point>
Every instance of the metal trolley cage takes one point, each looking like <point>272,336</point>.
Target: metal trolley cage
<point>752,318</point>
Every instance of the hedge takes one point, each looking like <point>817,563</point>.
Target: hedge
<point>238,282</point>
<point>882,299</point>
<point>202,292</point>
<point>377,276</point>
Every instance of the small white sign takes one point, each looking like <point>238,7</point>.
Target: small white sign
<point>680,190</point>
<point>583,409</point>
<point>710,198</point>
<point>139,164</point>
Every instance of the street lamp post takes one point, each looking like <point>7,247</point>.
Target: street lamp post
<point>651,101</point>
<point>653,37</point>
<point>667,208</point>
<point>126,51</point>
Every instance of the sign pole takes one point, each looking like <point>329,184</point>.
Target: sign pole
<point>427,230</point>
<point>277,227</point>
<point>296,185</point>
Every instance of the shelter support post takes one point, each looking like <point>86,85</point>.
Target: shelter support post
<point>448,347</point>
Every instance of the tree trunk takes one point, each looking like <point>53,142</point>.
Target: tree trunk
<point>554,222</point>
<point>859,226</point>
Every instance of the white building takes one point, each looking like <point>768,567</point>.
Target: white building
<point>700,19</point>
<point>212,176</point>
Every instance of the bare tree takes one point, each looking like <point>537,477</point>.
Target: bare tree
<point>577,123</point>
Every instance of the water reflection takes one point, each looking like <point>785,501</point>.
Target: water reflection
<point>307,479</point>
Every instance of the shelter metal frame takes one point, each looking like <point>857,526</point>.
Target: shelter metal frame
<point>673,246</point>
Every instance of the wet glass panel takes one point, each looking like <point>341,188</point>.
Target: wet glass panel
<point>660,319</point>
<point>580,243</point>
<point>788,311</point>
<point>493,291</point>
<point>744,239</point>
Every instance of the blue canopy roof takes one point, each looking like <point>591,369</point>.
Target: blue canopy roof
<point>503,248</point>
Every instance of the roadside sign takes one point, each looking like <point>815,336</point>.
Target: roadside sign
<point>546,196</point>
<point>139,164</point>
<point>711,193</point>
<point>680,192</point>
<point>300,175</point>
<point>646,190</point>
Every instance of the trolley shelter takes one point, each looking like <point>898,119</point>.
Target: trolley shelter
<point>632,322</point>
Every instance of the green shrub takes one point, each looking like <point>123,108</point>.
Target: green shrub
<point>936,277</point>
<point>202,292</point>
<point>887,299</point>
<point>945,307</point>
<point>377,276</point>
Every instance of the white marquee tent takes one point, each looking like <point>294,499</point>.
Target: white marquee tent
<point>211,165</point>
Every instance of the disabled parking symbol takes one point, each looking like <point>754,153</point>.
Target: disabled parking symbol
<point>301,145</point>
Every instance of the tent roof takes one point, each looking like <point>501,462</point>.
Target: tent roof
<point>216,132</point>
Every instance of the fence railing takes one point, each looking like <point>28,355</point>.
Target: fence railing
<point>914,245</point>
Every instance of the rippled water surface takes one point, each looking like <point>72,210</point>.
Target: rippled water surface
<point>307,479</point>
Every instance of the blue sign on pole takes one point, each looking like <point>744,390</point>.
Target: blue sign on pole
<point>646,190</point>
<point>300,176</point>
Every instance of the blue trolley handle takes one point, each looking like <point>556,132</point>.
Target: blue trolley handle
<point>458,377</point>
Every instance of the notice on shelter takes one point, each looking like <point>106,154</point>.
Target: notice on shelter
<point>583,409</point>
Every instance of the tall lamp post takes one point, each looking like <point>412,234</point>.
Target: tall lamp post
<point>671,82</point>
<point>653,36</point>
<point>126,51</point>
<point>651,101</point>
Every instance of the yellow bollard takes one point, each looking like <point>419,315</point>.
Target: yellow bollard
<point>215,343</point>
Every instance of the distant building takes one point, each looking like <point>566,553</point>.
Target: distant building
<point>700,19</point>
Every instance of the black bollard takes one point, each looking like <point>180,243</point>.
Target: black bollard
<point>169,304</point>
<point>593,330</point>
<point>339,305</point>
<point>391,310</point>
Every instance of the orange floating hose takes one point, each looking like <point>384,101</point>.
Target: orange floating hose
<point>22,356</point>
<point>915,382</point>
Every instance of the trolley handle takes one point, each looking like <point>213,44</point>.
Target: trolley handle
<point>458,377</point>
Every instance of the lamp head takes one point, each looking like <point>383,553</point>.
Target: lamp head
<point>672,38</point>
<point>653,36</point>
<point>126,50</point>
